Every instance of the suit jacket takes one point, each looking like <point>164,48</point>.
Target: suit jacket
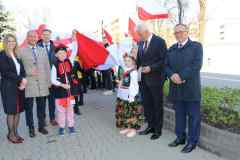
<point>37,86</point>
<point>10,82</point>
<point>155,58</point>
<point>187,62</point>
<point>50,53</point>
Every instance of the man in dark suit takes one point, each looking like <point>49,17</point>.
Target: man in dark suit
<point>150,61</point>
<point>183,65</point>
<point>48,45</point>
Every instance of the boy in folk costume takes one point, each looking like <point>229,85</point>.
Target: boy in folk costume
<point>65,87</point>
<point>129,112</point>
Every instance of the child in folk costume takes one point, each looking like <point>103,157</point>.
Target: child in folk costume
<point>129,112</point>
<point>65,83</point>
<point>78,72</point>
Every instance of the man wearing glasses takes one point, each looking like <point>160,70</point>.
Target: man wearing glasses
<point>183,65</point>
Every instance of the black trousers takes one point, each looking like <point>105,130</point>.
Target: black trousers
<point>152,99</point>
<point>107,78</point>
<point>51,105</point>
<point>41,109</point>
<point>92,78</point>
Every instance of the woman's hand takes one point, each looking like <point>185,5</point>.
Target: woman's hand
<point>23,84</point>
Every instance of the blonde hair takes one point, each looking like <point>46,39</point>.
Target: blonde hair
<point>5,43</point>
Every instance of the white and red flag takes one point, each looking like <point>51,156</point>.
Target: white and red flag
<point>107,36</point>
<point>132,30</point>
<point>150,10</point>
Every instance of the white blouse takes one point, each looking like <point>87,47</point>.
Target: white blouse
<point>129,93</point>
<point>17,65</point>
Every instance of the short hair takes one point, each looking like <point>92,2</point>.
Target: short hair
<point>47,30</point>
<point>31,31</point>
<point>182,25</point>
<point>142,26</point>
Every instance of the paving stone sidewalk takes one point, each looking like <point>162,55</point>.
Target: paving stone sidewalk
<point>96,139</point>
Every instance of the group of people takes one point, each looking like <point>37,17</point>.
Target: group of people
<point>42,71</point>
<point>38,72</point>
<point>140,93</point>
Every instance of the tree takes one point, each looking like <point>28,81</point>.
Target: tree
<point>180,11</point>
<point>6,22</point>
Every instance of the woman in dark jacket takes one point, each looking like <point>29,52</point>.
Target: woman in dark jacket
<point>12,86</point>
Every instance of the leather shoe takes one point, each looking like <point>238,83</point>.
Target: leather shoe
<point>155,136</point>
<point>53,122</point>
<point>43,131</point>
<point>32,132</point>
<point>177,142</point>
<point>77,111</point>
<point>146,131</point>
<point>188,148</point>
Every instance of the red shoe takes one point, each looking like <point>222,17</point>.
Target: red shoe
<point>20,138</point>
<point>14,141</point>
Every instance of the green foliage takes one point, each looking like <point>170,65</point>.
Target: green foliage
<point>6,22</point>
<point>166,88</point>
<point>220,106</point>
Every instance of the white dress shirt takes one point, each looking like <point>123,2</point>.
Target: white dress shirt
<point>181,44</point>
<point>54,80</point>
<point>17,65</point>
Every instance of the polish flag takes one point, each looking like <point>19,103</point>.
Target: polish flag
<point>91,52</point>
<point>107,36</point>
<point>131,30</point>
<point>149,10</point>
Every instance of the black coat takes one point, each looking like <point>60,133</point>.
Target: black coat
<point>12,97</point>
<point>155,58</point>
<point>187,62</point>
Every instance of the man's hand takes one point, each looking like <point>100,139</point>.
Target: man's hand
<point>146,69</point>
<point>176,79</point>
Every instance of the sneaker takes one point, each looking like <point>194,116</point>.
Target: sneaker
<point>71,130</point>
<point>61,131</point>
<point>131,133</point>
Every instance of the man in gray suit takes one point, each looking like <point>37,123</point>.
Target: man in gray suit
<point>37,68</point>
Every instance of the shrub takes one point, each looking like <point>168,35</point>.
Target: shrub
<point>220,106</point>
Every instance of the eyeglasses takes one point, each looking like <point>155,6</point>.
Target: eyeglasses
<point>11,41</point>
<point>179,32</point>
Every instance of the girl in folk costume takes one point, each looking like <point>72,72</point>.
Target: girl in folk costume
<point>129,112</point>
<point>65,87</point>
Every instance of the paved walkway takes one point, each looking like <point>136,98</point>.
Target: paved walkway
<point>96,139</point>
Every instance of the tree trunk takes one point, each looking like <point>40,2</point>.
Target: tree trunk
<point>180,11</point>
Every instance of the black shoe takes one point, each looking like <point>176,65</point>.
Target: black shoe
<point>32,132</point>
<point>155,136</point>
<point>146,131</point>
<point>189,148</point>
<point>177,142</point>
<point>77,111</point>
<point>43,131</point>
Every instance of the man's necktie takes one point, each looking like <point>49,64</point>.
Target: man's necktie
<point>180,45</point>
<point>47,49</point>
<point>34,55</point>
<point>145,46</point>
